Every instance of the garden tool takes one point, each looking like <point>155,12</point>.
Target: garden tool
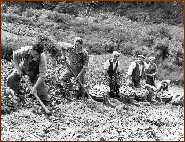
<point>42,104</point>
<point>77,80</point>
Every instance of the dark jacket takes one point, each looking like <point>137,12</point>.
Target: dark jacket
<point>111,71</point>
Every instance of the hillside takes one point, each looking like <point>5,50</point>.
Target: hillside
<point>150,28</point>
<point>132,28</point>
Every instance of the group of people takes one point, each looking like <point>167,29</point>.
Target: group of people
<point>141,69</point>
<point>31,61</point>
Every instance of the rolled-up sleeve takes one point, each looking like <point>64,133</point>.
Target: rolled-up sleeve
<point>43,65</point>
<point>119,66</point>
<point>106,65</point>
<point>86,59</point>
<point>131,68</point>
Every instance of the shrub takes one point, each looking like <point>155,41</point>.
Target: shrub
<point>97,49</point>
<point>148,41</point>
<point>179,58</point>
<point>7,53</point>
<point>128,48</point>
<point>59,17</point>
<point>67,7</point>
<point>162,52</point>
<point>13,18</point>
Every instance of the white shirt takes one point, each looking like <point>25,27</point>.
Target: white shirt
<point>133,66</point>
<point>107,64</point>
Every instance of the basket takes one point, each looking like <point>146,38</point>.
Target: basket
<point>99,92</point>
<point>125,98</point>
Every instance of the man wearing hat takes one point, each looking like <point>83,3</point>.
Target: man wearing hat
<point>78,58</point>
<point>151,71</point>
<point>136,72</point>
<point>112,71</point>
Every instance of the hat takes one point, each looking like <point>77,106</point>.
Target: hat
<point>140,56</point>
<point>151,58</point>
<point>166,81</point>
<point>79,39</point>
<point>116,53</point>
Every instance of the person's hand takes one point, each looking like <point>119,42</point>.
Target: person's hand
<point>19,72</point>
<point>129,82</point>
<point>33,91</point>
<point>63,58</point>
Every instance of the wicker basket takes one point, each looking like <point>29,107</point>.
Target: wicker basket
<point>127,98</point>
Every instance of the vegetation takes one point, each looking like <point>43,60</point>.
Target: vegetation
<point>150,28</point>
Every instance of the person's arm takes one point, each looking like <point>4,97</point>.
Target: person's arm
<point>86,62</point>
<point>129,73</point>
<point>17,55</point>
<point>42,72</point>
<point>158,88</point>
<point>130,69</point>
<point>156,70</point>
<point>105,67</point>
<point>119,67</point>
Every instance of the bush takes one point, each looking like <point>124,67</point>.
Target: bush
<point>148,41</point>
<point>68,8</point>
<point>128,48</point>
<point>13,18</point>
<point>7,53</point>
<point>97,49</point>
<point>179,58</point>
<point>162,52</point>
<point>59,17</point>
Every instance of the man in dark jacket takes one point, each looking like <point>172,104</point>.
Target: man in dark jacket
<point>112,71</point>
<point>136,72</point>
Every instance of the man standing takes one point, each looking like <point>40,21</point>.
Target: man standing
<point>136,72</point>
<point>112,71</point>
<point>151,71</point>
<point>79,59</point>
<point>34,65</point>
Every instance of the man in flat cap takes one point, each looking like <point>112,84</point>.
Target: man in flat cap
<point>136,72</point>
<point>112,71</point>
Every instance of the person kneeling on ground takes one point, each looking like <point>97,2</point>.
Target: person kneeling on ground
<point>34,65</point>
<point>112,72</point>
<point>162,87</point>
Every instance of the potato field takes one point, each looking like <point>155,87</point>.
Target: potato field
<point>90,120</point>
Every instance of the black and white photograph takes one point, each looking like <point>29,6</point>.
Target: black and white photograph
<point>92,71</point>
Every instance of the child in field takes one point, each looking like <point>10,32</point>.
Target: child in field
<point>112,71</point>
